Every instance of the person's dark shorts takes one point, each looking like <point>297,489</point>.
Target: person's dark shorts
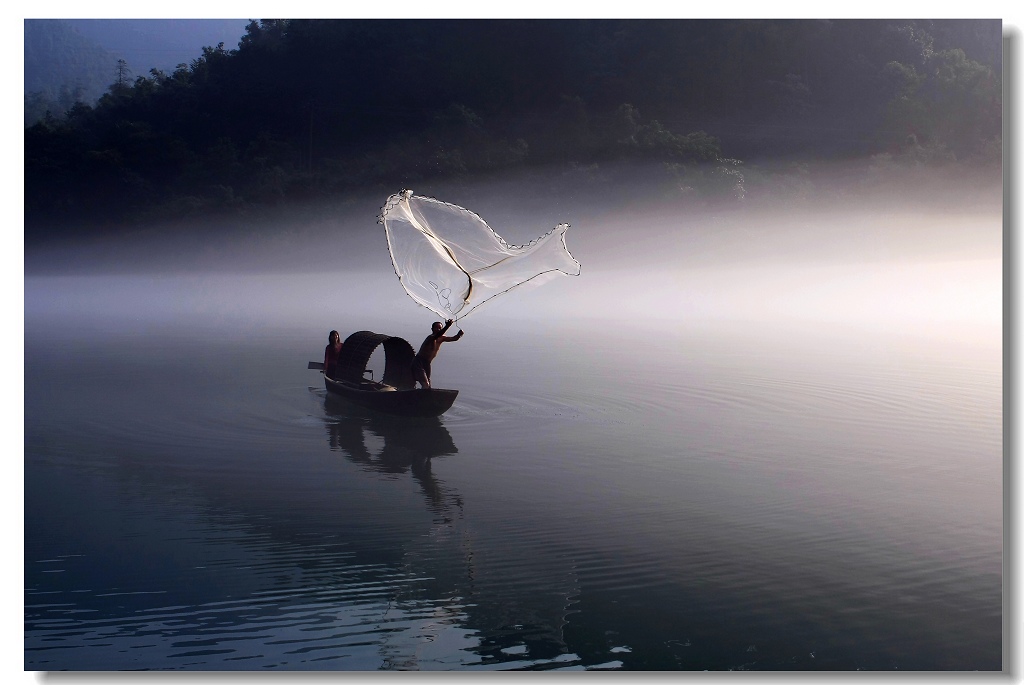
<point>418,365</point>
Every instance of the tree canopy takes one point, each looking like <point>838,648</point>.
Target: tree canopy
<point>305,109</point>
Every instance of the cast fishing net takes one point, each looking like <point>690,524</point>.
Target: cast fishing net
<point>451,262</point>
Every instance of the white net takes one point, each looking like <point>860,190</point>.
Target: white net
<point>451,262</point>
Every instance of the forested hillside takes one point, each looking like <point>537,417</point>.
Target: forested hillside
<point>310,109</point>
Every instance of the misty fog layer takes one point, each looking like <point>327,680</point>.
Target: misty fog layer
<point>895,258</point>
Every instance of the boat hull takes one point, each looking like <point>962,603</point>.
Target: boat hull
<point>415,402</point>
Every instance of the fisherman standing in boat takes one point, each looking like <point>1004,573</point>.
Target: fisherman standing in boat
<point>331,353</point>
<point>428,350</point>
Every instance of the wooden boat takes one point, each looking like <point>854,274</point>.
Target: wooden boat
<point>396,392</point>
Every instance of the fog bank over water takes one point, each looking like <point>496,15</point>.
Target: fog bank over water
<point>890,254</point>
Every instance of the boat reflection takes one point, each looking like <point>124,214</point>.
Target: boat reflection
<point>460,556</point>
<point>466,561</point>
<point>394,445</point>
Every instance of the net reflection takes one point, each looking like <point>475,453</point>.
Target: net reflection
<point>394,445</point>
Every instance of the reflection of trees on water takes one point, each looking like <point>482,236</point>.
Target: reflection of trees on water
<point>394,445</point>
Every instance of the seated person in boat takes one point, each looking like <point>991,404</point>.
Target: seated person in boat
<point>428,350</point>
<point>331,354</point>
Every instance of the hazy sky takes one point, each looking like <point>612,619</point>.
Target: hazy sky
<point>160,43</point>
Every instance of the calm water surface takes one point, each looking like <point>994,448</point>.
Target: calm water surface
<point>668,497</point>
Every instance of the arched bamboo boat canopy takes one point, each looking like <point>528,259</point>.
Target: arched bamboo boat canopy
<point>398,355</point>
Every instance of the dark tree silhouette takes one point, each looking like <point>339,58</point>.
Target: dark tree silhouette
<point>304,109</point>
